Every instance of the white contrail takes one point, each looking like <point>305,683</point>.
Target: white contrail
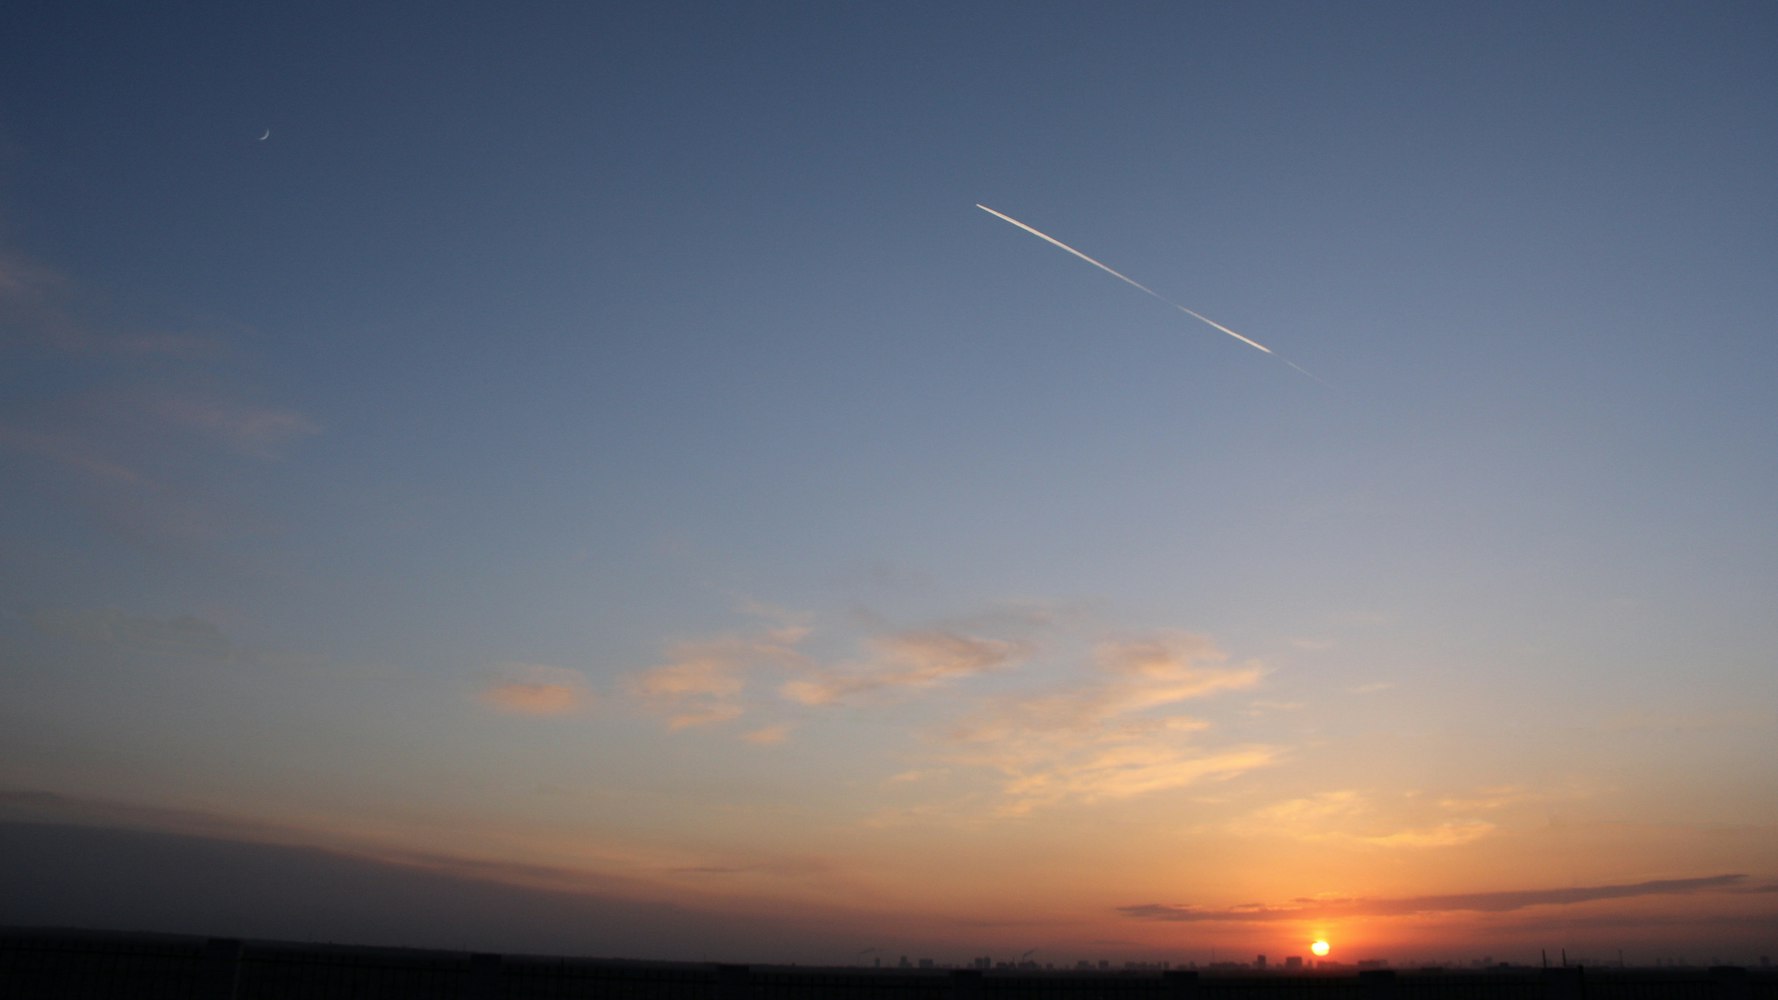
<point>1128,280</point>
<point>1082,256</point>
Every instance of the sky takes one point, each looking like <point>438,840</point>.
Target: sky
<point>589,478</point>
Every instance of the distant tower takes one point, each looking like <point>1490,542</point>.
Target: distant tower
<point>1260,962</point>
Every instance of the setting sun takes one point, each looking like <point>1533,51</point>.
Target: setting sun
<point>1320,949</point>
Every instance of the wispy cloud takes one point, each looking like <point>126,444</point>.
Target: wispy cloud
<point>535,689</point>
<point>710,681</point>
<point>1316,810</point>
<point>701,683</point>
<point>696,673</point>
<point>1349,816</point>
<point>134,445</point>
<point>703,715</point>
<point>138,418</point>
<point>1115,736</point>
<point>767,735</point>
<point>1498,797</point>
<point>907,660</point>
<point>70,452</point>
<point>37,312</point>
<point>248,429</point>
<point>183,636</point>
<point>129,469</point>
<point>1132,678</point>
<point>1126,771</point>
<point>904,777</point>
<point>1450,834</point>
<point>1477,902</point>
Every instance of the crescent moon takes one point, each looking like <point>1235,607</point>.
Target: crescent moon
<point>268,135</point>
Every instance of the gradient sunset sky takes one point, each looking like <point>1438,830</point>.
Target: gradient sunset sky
<point>586,477</point>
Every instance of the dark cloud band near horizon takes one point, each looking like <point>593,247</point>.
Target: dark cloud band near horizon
<point>1477,902</point>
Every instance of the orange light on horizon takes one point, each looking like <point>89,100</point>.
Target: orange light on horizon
<point>1320,948</point>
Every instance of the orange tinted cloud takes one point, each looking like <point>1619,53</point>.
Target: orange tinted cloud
<point>1134,678</point>
<point>907,660</point>
<point>697,674</point>
<point>1442,835</point>
<point>1122,772</point>
<point>702,682</point>
<point>536,689</point>
<point>1116,736</point>
<point>1349,816</point>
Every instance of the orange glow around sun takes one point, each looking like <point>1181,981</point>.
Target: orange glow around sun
<point>1320,948</point>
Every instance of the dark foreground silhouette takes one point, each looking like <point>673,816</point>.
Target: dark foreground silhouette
<point>38,963</point>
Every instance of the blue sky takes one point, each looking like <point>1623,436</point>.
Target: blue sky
<point>609,437</point>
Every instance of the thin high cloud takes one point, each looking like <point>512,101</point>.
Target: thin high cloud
<point>185,637</point>
<point>129,440</point>
<point>1348,816</point>
<point>1125,772</point>
<point>72,453</point>
<point>1474,902</point>
<point>135,411</point>
<point>536,689</point>
<point>767,735</point>
<point>1131,678</point>
<point>37,313</point>
<point>1117,736</point>
<point>712,681</point>
<point>907,660</point>
<point>245,428</point>
<point>1489,799</point>
<point>1452,834</point>
<point>703,683</point>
